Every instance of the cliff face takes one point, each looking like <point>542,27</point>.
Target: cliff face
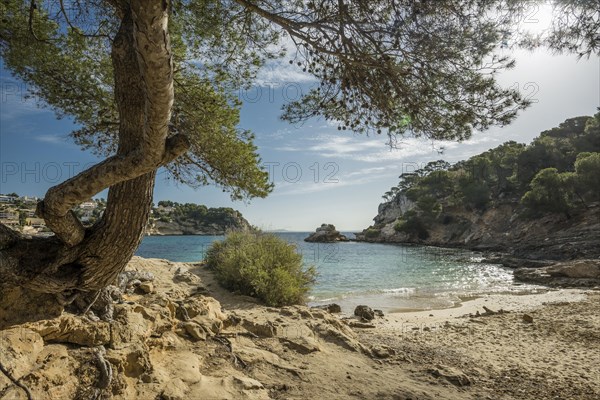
<point>501,228</point>
<point>233,221</point>
<point>392,210</point>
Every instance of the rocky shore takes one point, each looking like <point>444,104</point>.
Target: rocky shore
<point>175,334</point>
<point>500,231</point>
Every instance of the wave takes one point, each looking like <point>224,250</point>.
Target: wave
<point>402,290</point>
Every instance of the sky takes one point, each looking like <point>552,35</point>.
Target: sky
<point>321,175</point>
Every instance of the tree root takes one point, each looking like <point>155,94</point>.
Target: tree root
<point>104,367</point>
<point>16,382</point>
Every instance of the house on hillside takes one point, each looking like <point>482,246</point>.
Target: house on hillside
<point>7,199</point>
<point>88,205</point>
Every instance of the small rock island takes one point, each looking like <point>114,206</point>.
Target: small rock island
<point>326,233</point>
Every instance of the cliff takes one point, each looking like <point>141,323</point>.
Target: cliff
<point>538,201</point>
<point>501,229</point>
<point>181,220</point>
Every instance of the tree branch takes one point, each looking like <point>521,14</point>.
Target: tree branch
<point>57,204</point>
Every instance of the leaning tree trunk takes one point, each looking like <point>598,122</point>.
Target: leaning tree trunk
<point>86,260</point>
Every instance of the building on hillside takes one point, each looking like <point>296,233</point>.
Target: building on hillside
<point>88,205</point>
<point>36,222</point>
<point>28,212</point>
<point>9,214</point>
<point>29,200</point>
<point>7,199</point>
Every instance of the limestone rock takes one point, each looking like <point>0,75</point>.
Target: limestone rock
<point>19,305</point>
<point>70,329</point>
<point>302,345</point>
<point>326,233</point>
<point>262,329</point>
<point>580,273</point>
<point>146,287</point>
<point>364,312</point>
<point>20,348</point>
<point>382,351</point>
<point>452,375</point>
<point>332,308</point>
<point>194,330</point>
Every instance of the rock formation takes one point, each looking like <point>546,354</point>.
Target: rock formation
<point>501,229</point>
<point>233,221</point>
<point>580,273</point>
<point>326,233</point>
<point>165,339</point>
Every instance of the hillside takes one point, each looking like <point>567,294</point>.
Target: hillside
<point>171,218</point>
<point>539,201</point>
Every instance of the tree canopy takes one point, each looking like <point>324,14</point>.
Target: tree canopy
<point>558,172</point>
<point>394,67</point>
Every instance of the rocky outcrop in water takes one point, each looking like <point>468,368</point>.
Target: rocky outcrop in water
<point>326,233</point>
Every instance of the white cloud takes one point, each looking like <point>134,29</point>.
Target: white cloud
<point>280,73</point>
<point>54,139</point>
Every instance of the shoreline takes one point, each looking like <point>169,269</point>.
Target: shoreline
<point>510,303</point>
<point>182,336</point>
<point>414,300</point>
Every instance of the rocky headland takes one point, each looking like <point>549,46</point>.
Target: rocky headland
<point>532,204</point>
<point>500,231</point>
<point>180,221</point>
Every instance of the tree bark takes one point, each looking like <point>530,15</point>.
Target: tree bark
<point>83,260</point>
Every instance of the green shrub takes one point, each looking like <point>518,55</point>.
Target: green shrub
<point>372,233</point>
<point>549,193</point>
<point>412,225</point>
<point>261,265</point>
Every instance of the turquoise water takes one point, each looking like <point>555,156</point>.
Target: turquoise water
<point>391,277</point>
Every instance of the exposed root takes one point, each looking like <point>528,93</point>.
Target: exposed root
<point>15,382</point>
<point>104,367</point>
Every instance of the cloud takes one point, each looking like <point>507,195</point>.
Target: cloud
<point>354,178</point>
<point>279,73</point>
<point>54,139</point>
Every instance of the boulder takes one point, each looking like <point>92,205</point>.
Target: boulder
<point>364,312</point>
<point>302,345</point>
<point>332,308</point>
<point>326,233</point>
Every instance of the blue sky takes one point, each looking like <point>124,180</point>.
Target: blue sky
<point>320,174</point>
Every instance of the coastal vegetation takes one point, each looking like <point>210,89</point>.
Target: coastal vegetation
<point>557,173</point>
<point>172,218</point>
<point>263,266</point>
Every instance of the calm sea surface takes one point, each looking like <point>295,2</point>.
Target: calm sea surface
<point>390,277</point>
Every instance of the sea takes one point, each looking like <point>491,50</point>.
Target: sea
<point>390,277</point>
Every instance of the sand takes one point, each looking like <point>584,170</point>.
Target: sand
<point>231,347</point>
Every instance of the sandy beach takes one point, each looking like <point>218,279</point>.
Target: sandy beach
<point>184,337</point>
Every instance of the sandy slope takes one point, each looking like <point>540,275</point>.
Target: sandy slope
<point>177,343</point>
